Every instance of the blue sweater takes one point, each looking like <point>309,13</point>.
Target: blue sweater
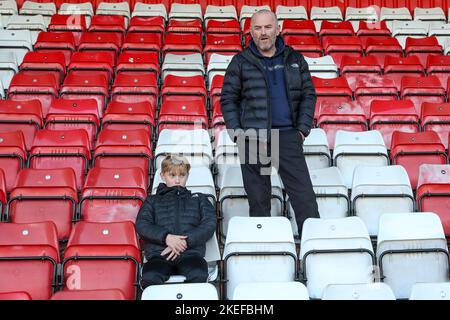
<point>274,73</point>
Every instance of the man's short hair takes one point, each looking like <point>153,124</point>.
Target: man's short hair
<point>176,164</point>
<point>266,11</point>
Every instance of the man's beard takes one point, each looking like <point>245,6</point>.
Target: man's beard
<point>265,46</point>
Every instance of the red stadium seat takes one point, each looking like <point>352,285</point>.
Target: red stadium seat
<point>138,61</point>
<point>18,295</point>
<point>86,85</point>
<point>215,88</point>
<point>395,68</point>
<point>329,28</point>
<point>422,48</point>
<point>217,116</point>
<point>299,27</point>
<point>231,26</point>
<point>102,256</point>
<point>307,45</point>
<point>336,90</point>
<point>246,28</point>
<point>108,23</point>
<point>49,62</point>
<point>142,41</point>
<point>56,41</point>
<point>371,29</point>
<point>348,116</point>
<point>135,86</point>
<point>76,24</point>
<point>380,47</point>
<point>147,24</point>
<point>184,86</point>
<point>439,66</point>
<point>222,44</point>
<point>100,41</point>
<point>353,68</point>
<point>338,46</point>
<point>374,87</point>
<point>123,149</point>
<point>436,117</point>
<point>111,294</point>
<point>60,22</point>
<point>29,254</point>
<point>390,116</point>
<point>113,195</point>
<point>182,112</point>
<point>413,149</point>
<point>184,26</point>
<point>57,149</point>
<point>25,116</point>
<point>43,87</point>
<point>3,197</point>
<point>13,156</point>
<point>433,192</point>
<point>422,89</point>
<point>130,116</point>
<point>185,43</point>
<point>89,62</point>
<point>44,195</point>
<point>69,114</point>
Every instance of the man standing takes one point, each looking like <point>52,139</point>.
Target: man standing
<point>268,86</point>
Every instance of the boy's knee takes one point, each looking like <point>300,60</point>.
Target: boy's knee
<point>197,276</point>
<point>152,278</point>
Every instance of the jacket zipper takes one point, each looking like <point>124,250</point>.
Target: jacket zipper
<point>269,105</point>
<point>177,216</point>
<point>287,89</point>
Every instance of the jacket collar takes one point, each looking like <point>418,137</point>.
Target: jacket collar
<point>279,44</point>
<point>251,57</point>
<point>163,189</point>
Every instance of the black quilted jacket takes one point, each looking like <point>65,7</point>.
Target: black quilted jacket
<point>245,100</point>
<point>175,210</point>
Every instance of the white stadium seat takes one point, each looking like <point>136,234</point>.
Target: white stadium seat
<point>316,150</point>
<point>430,291</point>
<point>335,251</point>
<point>352,149</point>
<point>258,249</point>
<point>195,145</point>
<point>363,291</point>
<point>270,291</point>
<point>380,190</point>
<point>182,291</point>
<point>233,198</point>
<point>411,248</point>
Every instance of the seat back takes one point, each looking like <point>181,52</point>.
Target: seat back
<point>29,258</point>
<point>258,249</point>
<point>417,252</point>
<point>102,256</point>
<point>329,245</point>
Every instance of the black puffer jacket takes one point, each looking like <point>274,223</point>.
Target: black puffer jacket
<point>245,99</point>
<point>175,210</point>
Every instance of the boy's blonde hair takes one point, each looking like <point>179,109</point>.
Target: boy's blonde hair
<point>176,164</point>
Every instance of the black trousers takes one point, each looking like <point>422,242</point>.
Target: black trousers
<point>158,270</point>
<point>291,165</point>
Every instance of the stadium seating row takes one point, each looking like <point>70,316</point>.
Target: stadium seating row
<point>242,7</point>
<point>57,168</point>
<point>257,250</point>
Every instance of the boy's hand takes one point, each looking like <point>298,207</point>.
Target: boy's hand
<point>176,243</point>
<point>172,255</point>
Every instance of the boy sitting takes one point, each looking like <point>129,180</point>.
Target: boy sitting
<point>175,225</point>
